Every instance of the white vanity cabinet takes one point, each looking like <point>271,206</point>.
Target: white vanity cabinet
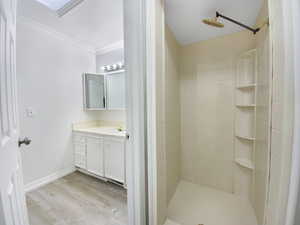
<point>100,155</point>
<point>80,155</point>
<point>79,151</point>
<point>114,163</point>
<point>95,156</point>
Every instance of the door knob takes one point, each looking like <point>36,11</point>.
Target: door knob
<point>25,141</point>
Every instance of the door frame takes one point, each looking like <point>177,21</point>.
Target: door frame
<point>135,61</point>
<point>141,69</point>
<point>142,66</point>
<point>291,18</point>
<point>284,159</point>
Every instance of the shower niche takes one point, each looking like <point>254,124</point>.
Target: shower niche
<point>245,97</point>
<point>245,123</point>
<point>246,70</point>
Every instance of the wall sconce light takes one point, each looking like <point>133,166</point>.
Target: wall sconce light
<point>113,67</point>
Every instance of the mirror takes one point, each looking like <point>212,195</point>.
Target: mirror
<point>94,91</point>
<point>115,90</point>
<point>104,91</point>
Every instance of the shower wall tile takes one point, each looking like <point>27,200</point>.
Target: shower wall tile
<point>172,114</point>
<point>276,115</point>
<point>207,87</point>
<point>276,160</point>
<point>263,119</point>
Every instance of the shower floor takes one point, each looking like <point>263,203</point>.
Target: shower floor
<point>193,205</point>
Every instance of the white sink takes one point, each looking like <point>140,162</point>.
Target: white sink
<point>103,130</point>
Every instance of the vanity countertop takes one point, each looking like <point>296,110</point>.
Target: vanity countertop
<point>102,130</point>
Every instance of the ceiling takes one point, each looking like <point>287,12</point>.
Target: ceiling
<point>93,23</point>
<point>184,17</point>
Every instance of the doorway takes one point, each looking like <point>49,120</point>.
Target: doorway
<point>70,66</point>
<point>217,112</point>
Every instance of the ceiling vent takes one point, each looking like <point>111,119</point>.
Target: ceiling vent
<point>61,7</point>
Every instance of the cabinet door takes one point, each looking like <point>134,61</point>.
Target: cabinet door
<point>94,90</point>
<point>115,90</point>
<point>94,148</point>
<point>80,155</point>
<point>114,159</point>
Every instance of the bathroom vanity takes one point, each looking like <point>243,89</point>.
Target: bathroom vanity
<point>99,146</point>
<point>100,151</point>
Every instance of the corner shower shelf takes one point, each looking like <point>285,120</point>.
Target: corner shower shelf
<point>246,86</point>
<point>245,138</point>
<point>245,163</point>
<point>245,123</point>
<point>246,106</point>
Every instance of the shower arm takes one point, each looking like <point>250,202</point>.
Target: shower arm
<point>238,23</point>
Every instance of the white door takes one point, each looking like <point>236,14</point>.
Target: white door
<point>95,161</point>
<point>12,200</point>
<point>114,159</point>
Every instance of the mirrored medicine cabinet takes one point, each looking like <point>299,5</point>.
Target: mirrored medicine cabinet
<point>105,91</point>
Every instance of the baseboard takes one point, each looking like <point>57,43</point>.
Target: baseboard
<point>48,179</point>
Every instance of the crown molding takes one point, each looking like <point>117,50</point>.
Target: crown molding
<point>109,48</point>
<point>56,34</point>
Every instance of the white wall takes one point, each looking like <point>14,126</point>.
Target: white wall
<point>172,113</point>
<point>111,57</point>
<point>49,71</point>
<point>207,84</point>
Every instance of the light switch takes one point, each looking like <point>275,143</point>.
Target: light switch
<point>30,112</point>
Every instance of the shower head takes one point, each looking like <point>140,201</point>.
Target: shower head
<point>213,22</point>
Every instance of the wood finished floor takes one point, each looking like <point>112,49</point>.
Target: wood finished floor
<point>78,199</point>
